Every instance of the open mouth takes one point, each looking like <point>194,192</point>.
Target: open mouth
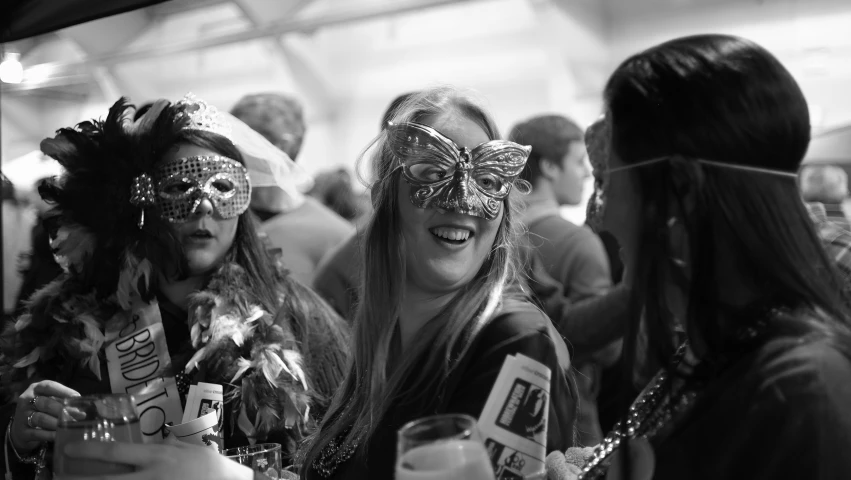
<point>452,235</point>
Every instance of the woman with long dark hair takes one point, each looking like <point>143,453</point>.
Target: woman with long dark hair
<point>733,296</point>
<point>441,306</point>
<point>161,261</point>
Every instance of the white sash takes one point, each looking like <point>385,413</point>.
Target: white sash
<point>139,364</point>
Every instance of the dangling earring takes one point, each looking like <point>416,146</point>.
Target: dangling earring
<point>679,262</point>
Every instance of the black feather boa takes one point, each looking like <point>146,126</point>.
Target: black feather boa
<point>100,159</point>
<point>275,366</point>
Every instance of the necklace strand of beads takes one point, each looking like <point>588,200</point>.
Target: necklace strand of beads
<point>335,453</point>
<point>652,411</point>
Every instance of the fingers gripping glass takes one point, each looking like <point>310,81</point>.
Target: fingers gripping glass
<point>472,182</point>
<point>264,458</point>
<point>97,418</point>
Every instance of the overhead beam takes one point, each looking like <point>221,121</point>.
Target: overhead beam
<point>175,7</point>
<point>16,111</point>
<point>576,28</point>
<point>52,82</point>
<point>104,36</point>
<point>260,12</point>
<point>271,29</point>
<point>309,73</point>
<point>54,94</point>
<point>565,25</point>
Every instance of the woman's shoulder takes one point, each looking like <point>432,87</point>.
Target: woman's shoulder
<point>806,371</point>
<point>519,320</point>
<point>517,316</point>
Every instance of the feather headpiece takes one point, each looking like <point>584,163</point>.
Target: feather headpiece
<point>96,232</point>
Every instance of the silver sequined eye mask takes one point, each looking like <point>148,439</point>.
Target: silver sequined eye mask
<point>182,184</point>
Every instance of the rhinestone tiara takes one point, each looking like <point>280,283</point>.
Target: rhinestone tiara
<point>203,116</point>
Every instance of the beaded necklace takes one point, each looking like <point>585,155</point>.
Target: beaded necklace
<point>652,411</point>
<point>335,453</point>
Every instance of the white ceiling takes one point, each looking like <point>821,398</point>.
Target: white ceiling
<point>342,56</point>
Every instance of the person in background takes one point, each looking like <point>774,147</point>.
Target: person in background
<point>835,240</point>
<point>441,304</point>
<point>571,254</point>
<point>735,303</point>
<point>335,190</point>
<point>338,274</point>
<point>157,249</point>
<point>16,238</point>
<point>828,185</point>
<point>40,267</point>
<point>301,227</point>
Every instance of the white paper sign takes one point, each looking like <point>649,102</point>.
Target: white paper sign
<point>513,422</point>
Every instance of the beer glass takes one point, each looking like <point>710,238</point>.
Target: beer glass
<point>446,447</point>
<point>95,418</point>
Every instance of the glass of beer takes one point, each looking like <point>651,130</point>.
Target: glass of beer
<point>96,418</point>
<point>445,447</point>
<point>264,458</point>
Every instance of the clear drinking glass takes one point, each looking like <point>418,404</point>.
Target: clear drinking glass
<point>446,447</point>
<point>264,458</point>
<point>95,418</point>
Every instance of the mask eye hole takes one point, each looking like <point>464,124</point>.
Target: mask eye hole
<point>179,187</point>
<point>428,173</point>
<point>489,183</point>
<point>223,185</point>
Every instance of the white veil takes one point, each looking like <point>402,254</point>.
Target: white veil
<point>268,166</point>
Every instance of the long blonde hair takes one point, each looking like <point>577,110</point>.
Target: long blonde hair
<point>368,392</point>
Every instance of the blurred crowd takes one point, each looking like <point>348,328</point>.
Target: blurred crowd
<point>711,256</point>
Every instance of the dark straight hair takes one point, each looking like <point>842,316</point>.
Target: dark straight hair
<point>727,100</point>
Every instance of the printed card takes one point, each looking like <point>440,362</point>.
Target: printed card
<point>514,419</point>
<point>187,412</point>
<point>510,464</point>
<point>203,399</point>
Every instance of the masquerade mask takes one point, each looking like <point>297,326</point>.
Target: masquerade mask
<point>471,182</point>
<point>182,184</point>
<point>265,165</point>
<point>598,144</point>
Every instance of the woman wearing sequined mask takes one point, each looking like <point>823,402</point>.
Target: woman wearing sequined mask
<point>441,308</point>
<point>163,267</point>
<point>696,161</point>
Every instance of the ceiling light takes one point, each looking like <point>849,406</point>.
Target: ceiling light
<point>11,70</point>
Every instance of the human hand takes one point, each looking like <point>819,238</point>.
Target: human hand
<point>171,459</point>
<point>558,468</point>
<point>37,415</point>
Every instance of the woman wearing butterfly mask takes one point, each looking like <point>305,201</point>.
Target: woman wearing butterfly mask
<point>734,300</point>
<point>166,285</point>
<point>441,308</point>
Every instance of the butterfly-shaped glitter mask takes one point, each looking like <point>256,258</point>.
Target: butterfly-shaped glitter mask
<point>183,183</point>
<point>471,182</point>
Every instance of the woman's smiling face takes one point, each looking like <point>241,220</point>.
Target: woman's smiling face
<point>445,250</point>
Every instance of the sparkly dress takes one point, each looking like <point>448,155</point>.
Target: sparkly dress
<point>783,410</point>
